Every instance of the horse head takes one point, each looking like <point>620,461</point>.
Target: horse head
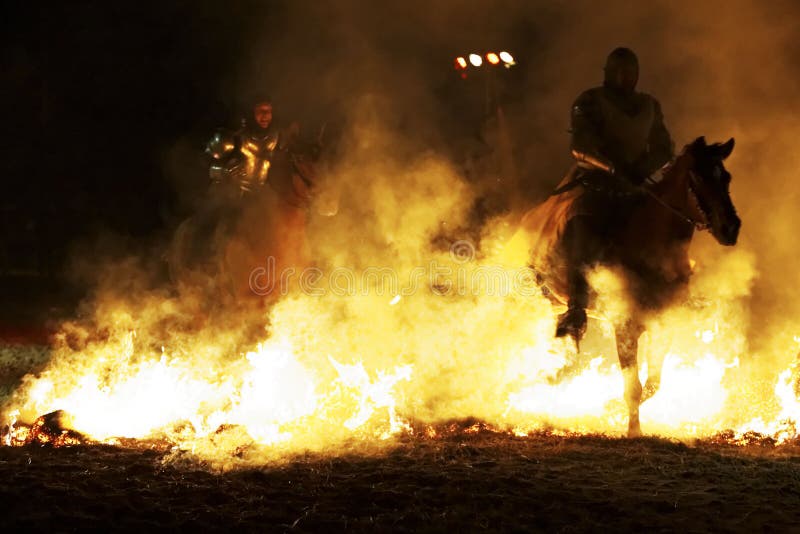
<point>709,184</point>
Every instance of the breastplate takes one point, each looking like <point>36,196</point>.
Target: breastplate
<point>257,151</point>
<point>627,133</point>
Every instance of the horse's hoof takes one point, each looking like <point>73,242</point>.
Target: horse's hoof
<point>634,431</point>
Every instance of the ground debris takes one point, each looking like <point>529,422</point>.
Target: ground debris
<point>53,429</point>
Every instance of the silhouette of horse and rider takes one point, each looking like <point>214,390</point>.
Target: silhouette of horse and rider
<point>263,180</point>
<point>629,204</point>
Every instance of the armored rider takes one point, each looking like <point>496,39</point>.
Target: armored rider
<point>241,160</point>
<point>618,141</point>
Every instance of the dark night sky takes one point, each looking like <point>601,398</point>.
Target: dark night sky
<point>95,91</point>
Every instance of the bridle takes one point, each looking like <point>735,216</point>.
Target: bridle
<point>698,225</point>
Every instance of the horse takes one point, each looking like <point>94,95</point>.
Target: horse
<point>651,251</point>
<point>233,236</point>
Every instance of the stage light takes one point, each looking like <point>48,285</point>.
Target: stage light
<point>476,60</point>
<point>461,63</point>
<point>507,58</point>
<point>492,58</point>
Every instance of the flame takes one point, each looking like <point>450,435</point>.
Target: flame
<point>8,439</point>
<point>273,395</point>
<point>338,368</point>
<point>373,395</point>
<point>307,387</point>
<point>287,396</point>
<point>784,426</point>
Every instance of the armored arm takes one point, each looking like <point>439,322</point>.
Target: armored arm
<point>222,148</point>
<point>591,161</point>
<point>586,126</point>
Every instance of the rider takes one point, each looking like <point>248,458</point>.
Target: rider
<point>618,140</point>
<point>263,179</point>
<point>241,160</point>
<point>241,163</point>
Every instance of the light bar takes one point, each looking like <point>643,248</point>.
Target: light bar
<point>461,63</point>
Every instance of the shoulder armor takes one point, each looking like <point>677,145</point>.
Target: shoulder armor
<point>587,102</point>
<point>221,144</point>
<point>649,100</point>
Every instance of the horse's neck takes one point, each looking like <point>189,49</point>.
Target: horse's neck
<point>674,187</point>
<point>655,227</point>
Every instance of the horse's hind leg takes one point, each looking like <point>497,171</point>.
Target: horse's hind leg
<point>627,347</point>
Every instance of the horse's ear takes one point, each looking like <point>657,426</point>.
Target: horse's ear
<point>699,142</point>
<point>726,148</point>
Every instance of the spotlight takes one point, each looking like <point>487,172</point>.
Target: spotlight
<point>492,58</point>
<point>476,60</point>
<point>507,58</point>
<point>461,63</point>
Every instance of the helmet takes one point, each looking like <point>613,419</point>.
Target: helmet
<point>259,98</point>
<point>622,70</point>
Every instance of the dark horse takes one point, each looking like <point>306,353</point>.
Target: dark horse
<point>651,250</point>
<point>230,238</point>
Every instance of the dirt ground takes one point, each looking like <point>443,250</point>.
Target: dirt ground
<point>457,482</point>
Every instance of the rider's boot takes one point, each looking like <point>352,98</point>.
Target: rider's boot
<point>579,249</point>
<point>572,323</point>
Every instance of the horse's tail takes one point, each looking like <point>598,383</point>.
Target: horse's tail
<point>537,239</point>
<point>541,228</point>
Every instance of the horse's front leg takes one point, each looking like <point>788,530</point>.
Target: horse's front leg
<point>655,363</point>
<point>627,336</point>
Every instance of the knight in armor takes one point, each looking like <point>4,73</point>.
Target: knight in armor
<point>241,160</point>
<point>618,141</point>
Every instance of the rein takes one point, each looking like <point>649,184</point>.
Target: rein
<point>699,226</point>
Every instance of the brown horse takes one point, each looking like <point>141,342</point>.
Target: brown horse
<point>222,246</point>
<point>651,251</point>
